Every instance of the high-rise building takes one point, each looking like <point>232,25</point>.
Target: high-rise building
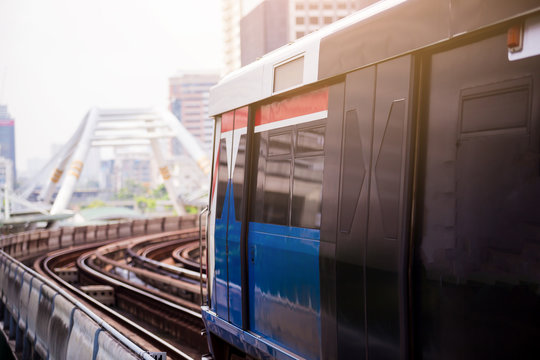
<point>188,95</point>
<point>231,15</point>
<point>306,16</point>
<point>268,24</point>
<point>7,140</point>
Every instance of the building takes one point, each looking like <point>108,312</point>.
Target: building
<point>7,140</point>
<point>134,169</point>
<point>269,24</point>
<point>232,13</point>
<point>188,96</point>
<point>306,16</point>
<point>263,29</point>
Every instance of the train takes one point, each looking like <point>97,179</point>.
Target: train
<point>375,191</point>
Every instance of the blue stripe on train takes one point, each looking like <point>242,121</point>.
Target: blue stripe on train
<point>284,292</point>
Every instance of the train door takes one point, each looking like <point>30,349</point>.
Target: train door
<point>285,216</point>
<point>371,228</point>
<point>228,223</point>
<point>477,259</point>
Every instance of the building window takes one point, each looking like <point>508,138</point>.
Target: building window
<point>341,5</point>
<point>314,20</point>
<point>313,6</point>
<point>299,34</point>
<point>300,20</point>
<point>299,6</point>
<point>328,19</point>
<point>327,6</point>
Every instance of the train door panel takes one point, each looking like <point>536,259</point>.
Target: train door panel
<point>228,300</point>
<point>238,160</point>
<point>352,224</point>
<point>284,235</point>
<point>386,290</point>
<point>370,245</point>
<point>477,259</point>
<point>222,218</point>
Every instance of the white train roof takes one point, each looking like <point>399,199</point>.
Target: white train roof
<point>254,82</point>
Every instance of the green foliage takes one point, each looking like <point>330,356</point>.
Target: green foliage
<point>191,209</point>
<point>131,190</point>
<point>160,193</point>
<point>145,204</point>
<point>95,204</point>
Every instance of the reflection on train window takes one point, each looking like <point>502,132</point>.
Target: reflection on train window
<point>238,177</point>
<point>276,191</point>
<point>307,192</point>
<point>280,144</point>
<point>222,178</point>
<point>289,176</point>
<point>309,140</point>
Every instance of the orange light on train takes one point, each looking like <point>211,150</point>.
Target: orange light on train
<point>514,39</point>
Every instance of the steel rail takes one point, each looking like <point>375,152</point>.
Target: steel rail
<point>44,266</point>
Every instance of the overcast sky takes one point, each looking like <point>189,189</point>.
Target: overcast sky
<point>58,58</point>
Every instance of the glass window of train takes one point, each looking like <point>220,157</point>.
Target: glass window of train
<point>222,178</point>
<point>276,191</point>
<point>238,177</point>
<point>260,141</point>
<point>307,192</point>
<point>310,139</point>
<point>279,144</point>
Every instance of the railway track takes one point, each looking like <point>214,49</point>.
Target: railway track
<point>160,320</point>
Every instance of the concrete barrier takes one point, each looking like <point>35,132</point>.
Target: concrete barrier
<point>112,231</point>
<point>33,306</point>
<point>48,323</point>
<point>138,227</point>
<point>170,223</point>
<point>23,300</point>
<point>66,239</point>
<point>91,233</point>
<point>54,238</point>
<point>45,309</point>
<point>124,229</point>
<point>60,327</point>
<point>83,335</point>
<point>109,348</point>
<point>101,232</point>
<point>79,235</point>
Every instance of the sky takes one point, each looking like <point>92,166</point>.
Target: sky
<point>59,58</point>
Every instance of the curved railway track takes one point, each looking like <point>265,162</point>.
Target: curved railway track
<point>160,320</point>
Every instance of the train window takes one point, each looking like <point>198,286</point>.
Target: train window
<point>309,140</point>
<point>276,191</point>
<point>289,178</point>
<point>289,74</point>
<point>279,144</point>
<point>307,192</point>
<point>238,177</point>
<point>222,178</point>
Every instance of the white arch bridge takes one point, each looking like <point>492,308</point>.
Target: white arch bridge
<point>108,128</point>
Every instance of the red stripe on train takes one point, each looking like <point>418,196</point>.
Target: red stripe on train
<point>236,119</point>
<point>298,105</point>
<point>216,167</point>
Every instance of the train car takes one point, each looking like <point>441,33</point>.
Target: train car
<point>376,189</point>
